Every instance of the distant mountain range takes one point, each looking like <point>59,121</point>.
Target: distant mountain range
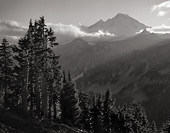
<point>134,65</point>
<point>119,27</point>
<point>79,55</point>
<point>141,76</point>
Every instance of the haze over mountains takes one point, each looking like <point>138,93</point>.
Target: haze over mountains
<point>87,52</point>
<point>119,27</point>
<point>134,65</point>
<point>141,76</point>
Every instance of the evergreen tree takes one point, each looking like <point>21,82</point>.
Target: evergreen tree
<point>108,103</point>
<point>34,56</point>
<point>31,76</point>
<point>46,39</point>
<point>166,126</point>
<point>69,101</point>
<point>85,118</point>
<point>26,58</point>
<point>96,115</point>
<point>114,119</point>
<point>6,72</point>
<point>57,85</point>
<point>54,85</point>
<point>23,59</point>
<point>123,119</point>
<point>139,119</point>
<point>99,112</point>
<point>152,128</point>
<point>17,85</point>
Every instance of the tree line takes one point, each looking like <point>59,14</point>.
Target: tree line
<point>31,80</point>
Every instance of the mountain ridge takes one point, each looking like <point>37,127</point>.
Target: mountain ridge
<point>120,25</point>
<point>141,76</point>
<point>79,55</point>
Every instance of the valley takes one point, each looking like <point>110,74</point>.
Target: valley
<point>135,69</point>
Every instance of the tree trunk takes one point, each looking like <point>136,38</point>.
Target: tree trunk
<point>49,107</point>
<point>31,88</point>
<point>44,80</point>
<point>2,93</point>
<point>37,91</point>
<point>54,107</point>
<point>25,88</point>
<point>44,96</point>
<point>5,76</point>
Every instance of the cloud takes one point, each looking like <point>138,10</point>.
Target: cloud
<point>75,31</point>
<point>161,13</point>
<point>163,29</point>
<point>162,5</point>
<point>11,30</point>
<point>162,9</point>
<point>66,33</point>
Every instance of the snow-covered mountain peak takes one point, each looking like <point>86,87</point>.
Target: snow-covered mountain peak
<point>120,25</point>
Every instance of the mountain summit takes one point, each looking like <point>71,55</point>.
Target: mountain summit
<point>120,25</point>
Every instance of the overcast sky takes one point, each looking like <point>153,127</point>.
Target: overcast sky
<point>68,14</point>
<point>86,12</point>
